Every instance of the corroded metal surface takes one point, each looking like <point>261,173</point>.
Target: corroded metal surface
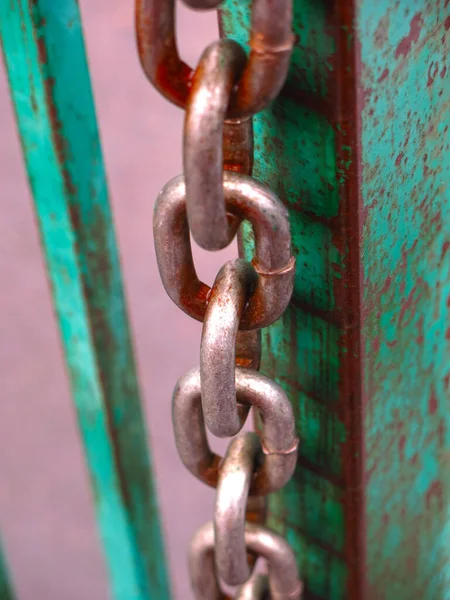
<point>302,152</point>
<point>356,147</point>
<point>405,111</point>
<point>51,91</point>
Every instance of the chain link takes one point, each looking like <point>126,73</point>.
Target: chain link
<point>271,42</point>
<point>248,200</point>
<point>278,443</point>
<point>229,296</point>
<point>283,581</point>
<point>210,201</point>
<point>233,487</point>
<point>210,95</point>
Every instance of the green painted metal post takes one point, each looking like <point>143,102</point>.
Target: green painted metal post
<point>405,189</point>
<point>46,64</point>
<point>6,590</point>
<point>357,146</point>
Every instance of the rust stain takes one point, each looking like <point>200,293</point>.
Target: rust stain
<point>398,160</point>
<point>383,75</point>
<point>433,71</point>
<point>347,291</point>
<point>174,78</point>
<point>413,298</point>
<point>99,266</point>
<point>432,402</point>
<point>434,494</point>
<point>34,103</point>
<point>59,141</point>
<point>406,43</point>
<point>261,78</point>
<point>401,447</point>
<point>238,146</point>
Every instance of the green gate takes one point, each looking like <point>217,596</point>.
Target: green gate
<point>356,146</point>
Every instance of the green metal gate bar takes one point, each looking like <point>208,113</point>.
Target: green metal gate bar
<point>45,59</point>
<point>6,590</point>
<point>405,186</point>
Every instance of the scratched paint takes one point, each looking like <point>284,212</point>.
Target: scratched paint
<point>357,147</point>
<point>46,64</point>
<point>304,153</point>
<point>405,144</point>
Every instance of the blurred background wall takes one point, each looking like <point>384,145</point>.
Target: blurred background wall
<point>46,512</point>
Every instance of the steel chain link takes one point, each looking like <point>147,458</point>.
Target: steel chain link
<point>263,75</point>
<point>212,199</point>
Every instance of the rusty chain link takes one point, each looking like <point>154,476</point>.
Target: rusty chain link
<point>212,85</point>
<point>263,74</point>
<point>210,201</point>
<point>247,199</point>
<point>277,450</point>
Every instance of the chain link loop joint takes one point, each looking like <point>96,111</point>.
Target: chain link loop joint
<point>211,201</point>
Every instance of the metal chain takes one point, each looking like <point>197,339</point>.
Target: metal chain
<point>264,73</point>
<point>283,579</point>
<point>210,201</point>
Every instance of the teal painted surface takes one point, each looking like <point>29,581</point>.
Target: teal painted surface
<point>6,590</point>
<point>357,147</point>
<point>297,153</point>
<point>405,56</point>
<point>46,64</point>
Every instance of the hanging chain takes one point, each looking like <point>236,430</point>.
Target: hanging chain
<point>210,201</point>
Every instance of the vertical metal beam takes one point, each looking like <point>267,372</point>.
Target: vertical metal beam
<point>46,63</point>
<point>357,147</point>
<point>302,152</point>
<point>405,190</point>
